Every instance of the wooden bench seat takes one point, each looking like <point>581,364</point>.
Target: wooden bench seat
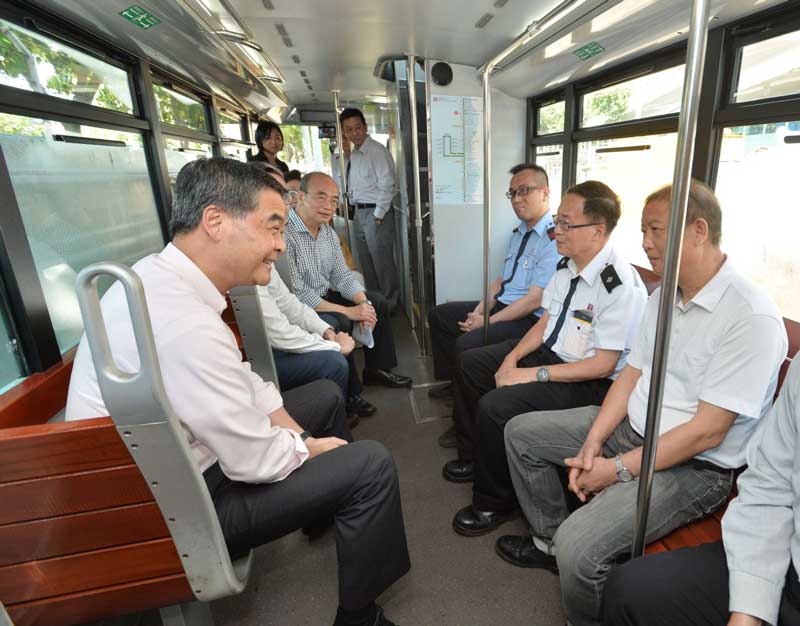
<point>82,537</point>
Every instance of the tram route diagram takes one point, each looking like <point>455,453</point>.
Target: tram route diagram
<point>457,142</point>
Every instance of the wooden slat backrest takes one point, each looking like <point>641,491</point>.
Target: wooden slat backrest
<point>79,523</point>
<point>39,397</point>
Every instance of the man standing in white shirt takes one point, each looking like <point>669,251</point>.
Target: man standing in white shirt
<point>370,185</point>
<point>271,464</point>
<point>726,345</point>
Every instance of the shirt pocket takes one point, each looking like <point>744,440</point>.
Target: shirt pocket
<point>697,364</point>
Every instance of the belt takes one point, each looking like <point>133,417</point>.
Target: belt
<point>706,465</point>
<point>364,205</point>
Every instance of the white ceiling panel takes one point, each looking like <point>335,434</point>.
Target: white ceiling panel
<point>339,42</point>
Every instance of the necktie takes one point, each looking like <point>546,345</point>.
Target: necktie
<point>516,263</point>
<point>551,340</point>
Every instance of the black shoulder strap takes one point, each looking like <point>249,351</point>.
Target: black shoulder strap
<point>562,264</point>
<point>610,278</point>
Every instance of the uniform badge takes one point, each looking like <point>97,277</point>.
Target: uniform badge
<point>551,232</point>
<point>610,278</point>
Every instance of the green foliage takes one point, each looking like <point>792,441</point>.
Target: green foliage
<point>16,125</point>
<point>22,56</point>
<point>551,118</point>
<point>173,111</point>
<point>608,107</point>
<point>293,144</point>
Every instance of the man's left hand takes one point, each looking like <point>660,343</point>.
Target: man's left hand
<point>473,321</point>
<point>515,376</point>
<point>603,474</point>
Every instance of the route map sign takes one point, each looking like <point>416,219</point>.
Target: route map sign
<point>457,142</point>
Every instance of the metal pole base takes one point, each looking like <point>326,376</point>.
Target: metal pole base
<point>187,614</point>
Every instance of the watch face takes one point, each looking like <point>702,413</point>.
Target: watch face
<point>625,475</point>
<point>543,375</point>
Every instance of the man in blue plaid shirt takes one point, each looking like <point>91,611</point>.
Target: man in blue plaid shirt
<point>323,281</point>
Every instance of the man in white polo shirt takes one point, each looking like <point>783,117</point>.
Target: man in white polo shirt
<point>727,343</point>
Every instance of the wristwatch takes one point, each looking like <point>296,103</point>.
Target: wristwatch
<point>369,302</point>
<point>623,473</point>
<point>304,435</point>
<point>542,375</point>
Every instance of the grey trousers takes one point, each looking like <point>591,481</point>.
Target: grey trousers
<point>374,247</point>
<point>598,535</point>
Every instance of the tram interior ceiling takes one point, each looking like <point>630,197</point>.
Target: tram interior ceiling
<point>103,103</point>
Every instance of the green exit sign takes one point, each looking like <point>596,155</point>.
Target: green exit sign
<point>588,51</point>
<point>140,17</point>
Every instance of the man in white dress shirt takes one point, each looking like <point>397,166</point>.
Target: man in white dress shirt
<point>370,185</point>
<point>272,464</point>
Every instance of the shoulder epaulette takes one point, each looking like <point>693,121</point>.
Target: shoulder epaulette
<point>610,278</point>
<point>562,264</point>
<point>551,232</point>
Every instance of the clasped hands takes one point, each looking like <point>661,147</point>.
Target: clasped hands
<point>474,320</point>
<point>589,471</point>
<point>364,313</point>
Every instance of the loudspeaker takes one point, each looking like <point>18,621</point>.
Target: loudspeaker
<point>442,74</point>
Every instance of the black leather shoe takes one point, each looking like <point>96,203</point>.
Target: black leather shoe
<point>382,620</point>
<point>387,378</point>
<point>521,551</point>
<point>458,471</point>
<point>356,405</point>
<point>448,438</point>
<point>471,522</point>
<point>445,392</point>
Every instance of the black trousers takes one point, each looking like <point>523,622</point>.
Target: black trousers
<point>687,587</point>
<point>483,410</point>
<point>449,342</point>
<point>355,485</point>
<point>381,357</point>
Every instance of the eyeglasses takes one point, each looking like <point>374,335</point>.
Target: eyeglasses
<point>561,225</point>
<point>324,198</point>
<point>289,196</point>
<point>522,190</point>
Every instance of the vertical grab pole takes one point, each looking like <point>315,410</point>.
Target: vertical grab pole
<point>411,61</point>
<point>487,193</point>
<point>342,169</point>
<point>687,125</point>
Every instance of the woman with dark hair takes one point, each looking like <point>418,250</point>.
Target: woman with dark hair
<point>269,140</point>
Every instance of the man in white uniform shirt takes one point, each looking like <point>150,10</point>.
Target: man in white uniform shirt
<point>271,464</point>
<point>592,307</point>
<point>727,343</point>
<point>370,185</point>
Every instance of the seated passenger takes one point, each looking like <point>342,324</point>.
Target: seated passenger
<point>750,577</point>
<point>272,464</point>
<point>726,346</point>
<point>323,281</point>
<point>516,295</point>
<point>592,305</point>
<point>306,348</point>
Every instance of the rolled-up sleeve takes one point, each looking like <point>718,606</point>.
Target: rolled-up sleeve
<point>228,408</point>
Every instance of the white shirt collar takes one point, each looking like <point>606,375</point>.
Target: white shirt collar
<point>200,283</point>
<point>711,293</point>
<point>595,266</point>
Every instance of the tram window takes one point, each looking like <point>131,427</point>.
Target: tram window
<point>230,125</point>
<point>12,368</point>
<point>80,202</point>
<point>179,152</point>
<point>658,93</point>
<point>179,109</point>
<point>36,63</point>
<point>551,119</point>
<point>235,151</point>
<point>551,158</point>
<point>633,167</point>
<point>769,69</point>
<point>760,220</point>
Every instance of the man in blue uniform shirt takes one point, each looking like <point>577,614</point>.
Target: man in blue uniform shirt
<point>516,296</point>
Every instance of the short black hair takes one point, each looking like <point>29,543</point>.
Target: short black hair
<point>229,184</point>
<point>348,113</point>
<point>600,202</point>
<point>263,131</point>
<point>293,175</point>
<point>521,167</point>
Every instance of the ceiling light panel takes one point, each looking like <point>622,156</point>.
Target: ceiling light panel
<point>485,19</point>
